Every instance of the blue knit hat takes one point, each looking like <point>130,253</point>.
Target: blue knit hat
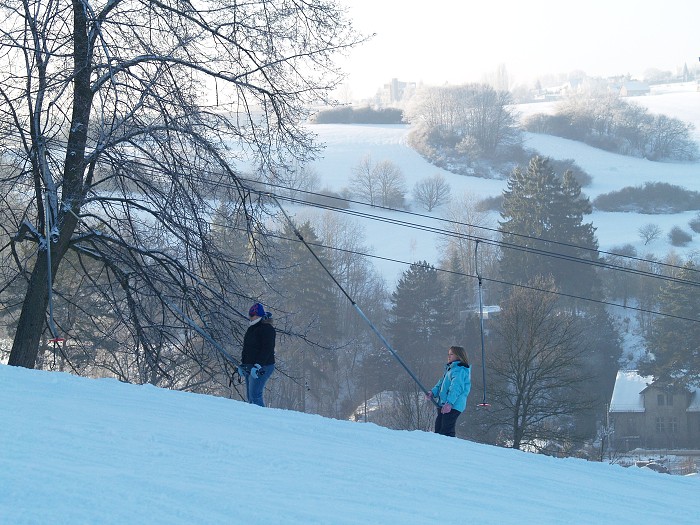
<point>256,309</point>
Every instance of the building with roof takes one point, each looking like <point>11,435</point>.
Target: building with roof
<point>649,414</point>
<point>634,88</point>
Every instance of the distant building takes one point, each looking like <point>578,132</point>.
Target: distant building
<point>648,414</point>
<point>634,88</point>
<point>395,90</point>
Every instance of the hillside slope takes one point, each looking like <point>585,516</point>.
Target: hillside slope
<point>78,450</point>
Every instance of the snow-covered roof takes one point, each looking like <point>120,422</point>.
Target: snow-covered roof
<point>627,394</point>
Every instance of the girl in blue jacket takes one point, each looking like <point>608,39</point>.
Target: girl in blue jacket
<point>450,393</point>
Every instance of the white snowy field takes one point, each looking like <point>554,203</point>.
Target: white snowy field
<point>96,451</point>
<point>347,145</point>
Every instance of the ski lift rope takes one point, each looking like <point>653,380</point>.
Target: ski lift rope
<point>354,304</point>
<point>56,339</point>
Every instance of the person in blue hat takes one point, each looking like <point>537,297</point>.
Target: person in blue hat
<point>258,355</point>
<point>451,392</point>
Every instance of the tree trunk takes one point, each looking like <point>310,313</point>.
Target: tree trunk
<point>25,347</point>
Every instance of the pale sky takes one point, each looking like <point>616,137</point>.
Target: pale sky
<point>456,41</point>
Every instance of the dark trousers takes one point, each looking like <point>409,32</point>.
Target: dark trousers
<point>445,423</point>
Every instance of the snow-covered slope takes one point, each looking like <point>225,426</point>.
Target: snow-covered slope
<point>86,451</point>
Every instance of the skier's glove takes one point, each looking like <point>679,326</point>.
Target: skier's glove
<point>256,371</point>
<point>446,408</point>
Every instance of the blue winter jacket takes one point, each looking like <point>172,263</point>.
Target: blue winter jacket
<point>454,386</point>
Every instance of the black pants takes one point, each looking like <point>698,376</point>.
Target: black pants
<point>445,423</point>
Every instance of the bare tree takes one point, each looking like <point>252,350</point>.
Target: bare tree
<point>404,410</point>
<point>468,118</point>
<point>538,383</point>
<point>670,138</point>
<point>300,180</point>
<point>365,285</point>
<point>123,115</point>
<point>391,183</point>
<point>466,222</point>
<point>363,183</point>
<point>649,232</point>
<point>380,184</point>
<point>432,192</point>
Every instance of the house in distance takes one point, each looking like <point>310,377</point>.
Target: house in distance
<point>648,414</point>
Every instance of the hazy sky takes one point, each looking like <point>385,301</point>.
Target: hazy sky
<point>459,41</point>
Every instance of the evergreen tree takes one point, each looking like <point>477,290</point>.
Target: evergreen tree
<point>419,321</point>
<point>571,229</point>
<point>459,296</point>
<point>601,350</point>
<point>672,342</point>
<point>543,230</point>
<point>311,308</point>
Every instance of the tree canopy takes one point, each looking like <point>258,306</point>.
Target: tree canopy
<point>544,233</point>
<point>420,320</point>
<point>121,118</point>
<point>672,341</point>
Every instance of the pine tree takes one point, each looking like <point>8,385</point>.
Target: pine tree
<point>527,204</point>
<point>419,321</point>
<point>310,293</point>
<point>672,342</point>
<point>459,291</point>
<point>543,230</point>
<point>601,347</point>
<point>311,308</point>
<point>579,240</point>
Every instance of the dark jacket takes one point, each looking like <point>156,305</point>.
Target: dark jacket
<point>259,344</point>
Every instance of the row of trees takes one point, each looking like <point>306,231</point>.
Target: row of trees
<point>383,184</point>
<point>606,121</point>
<point>651,198</point>
<point>551,357</point>
<point>363,115</point>
<point>554,350</point>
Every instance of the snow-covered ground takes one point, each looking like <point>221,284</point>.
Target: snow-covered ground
<point>96,451</point>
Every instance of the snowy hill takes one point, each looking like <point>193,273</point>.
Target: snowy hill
<point>76,450</point>
<point>347,145</point>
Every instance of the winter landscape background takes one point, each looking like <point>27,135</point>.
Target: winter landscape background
<point>348,144</point>
<point>96,451</point>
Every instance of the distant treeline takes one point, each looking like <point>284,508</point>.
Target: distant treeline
<point>365,115</point>
<point>606,121</point>
<point>652,198</point>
